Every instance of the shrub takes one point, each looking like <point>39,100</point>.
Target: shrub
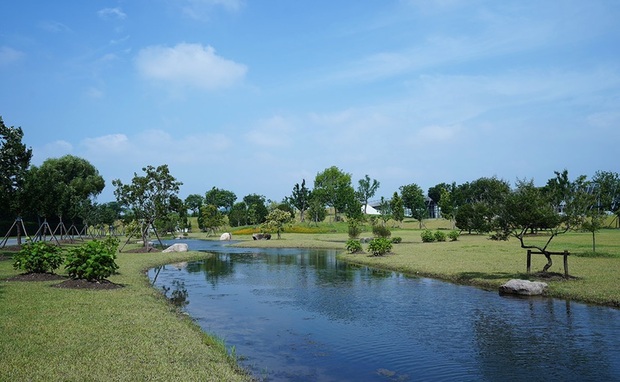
<point>453,235</point>
<point>39,257</point>
<point>380,246</point>
<point>397,239</point>
<point>427,236</point>
<point>381,231</point>
<point>440,236</point>
<point>353,246</point>
<point>93,261</point>
<point>355,228</point>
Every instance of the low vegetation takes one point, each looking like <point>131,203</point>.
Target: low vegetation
<point>124,334</point>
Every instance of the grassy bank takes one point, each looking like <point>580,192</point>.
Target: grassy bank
<point>125,334</point>
<point>476,260</point>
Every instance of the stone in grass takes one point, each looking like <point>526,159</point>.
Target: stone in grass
<point>177,247</point>
<point>523,287</point>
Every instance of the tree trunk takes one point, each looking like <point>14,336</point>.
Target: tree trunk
<point>549,263</point>
<point>593,242</point>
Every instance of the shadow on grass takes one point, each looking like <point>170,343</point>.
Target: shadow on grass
<point>468,276</point>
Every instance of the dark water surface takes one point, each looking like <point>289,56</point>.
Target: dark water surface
<point>300,315</point>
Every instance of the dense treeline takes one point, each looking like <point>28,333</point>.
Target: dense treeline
<point>62,191</point>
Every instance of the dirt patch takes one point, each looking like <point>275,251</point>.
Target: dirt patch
<point>67,282</point>
<point>84,284</point>
<point>143,250</point>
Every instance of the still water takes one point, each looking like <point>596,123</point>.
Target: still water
<point>301,315</point>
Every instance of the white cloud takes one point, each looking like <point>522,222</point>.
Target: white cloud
<point>9,55</point>
<point>112,14</point>
<point>189,65</point>
<point>273,132</point>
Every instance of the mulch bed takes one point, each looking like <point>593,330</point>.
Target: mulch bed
<point>67,283</point>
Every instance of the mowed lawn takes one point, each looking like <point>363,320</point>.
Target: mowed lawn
<point>126,334</point>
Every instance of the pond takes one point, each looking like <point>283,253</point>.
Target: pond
<point>302,315</point>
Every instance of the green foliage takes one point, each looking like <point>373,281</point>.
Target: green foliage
<point>210,218</point>
<point>397,239</point>
<point>453,235</point>
<point>276,220</point>
<point>381,231</point>
<point>427,236</point>
<point>39,257</point>
<point>439,236</point>
<point>353,246</point>
<point>94,260</point>
<point>380,246</point>
<point>355,228</point>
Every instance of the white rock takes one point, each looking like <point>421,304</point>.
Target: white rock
<point>177,247</point>
<point>523,287</point>
<point>226,236</point>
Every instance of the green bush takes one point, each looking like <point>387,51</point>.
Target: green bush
<point>427,236</point>
<point>381,231</point>
<point>39,257</point>
<point>93,261</point>
<point>397,239</point>
<point>380,246</point>
<point>355,228</point>
<point>440,236</point>
<point>453,235</point>
<point>353,246</point>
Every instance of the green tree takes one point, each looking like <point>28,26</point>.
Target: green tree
<point>332,187</point>
<point>256,209</point>
<point>397,207</point>
<point>64,186</point>
<point>300,198</point>
<point>148,196</point>
<point>607,191</point>
<point>529,208</point>
<point>194,202</point>
<point>276,220</point>
<point>316,210</point>
<point>14,162</point>
<point>211,219</point>
<point>366,189</point>
<point>220,198</point>
<point>447,203</point>
<point>238,215</point>
<point>413,200</point>
<point>479,203</point>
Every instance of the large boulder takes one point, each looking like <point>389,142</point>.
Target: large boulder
<point>261,236</point>
<point>226,236</point>
<point>177,247</point>
<point>523,287</point>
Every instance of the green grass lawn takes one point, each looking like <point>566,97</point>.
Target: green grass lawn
<point>126,334</point>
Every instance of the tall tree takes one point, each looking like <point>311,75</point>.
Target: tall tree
<point>256,208</point>
<point>148,196</point>
<point>220,198</point>
<point>413,200</point>
<point>238,214</point>
<point>194,202</point>
<point>300,198</point>
<point>366,189</point>
<point>397,207</point>
<point>275,221</point>
<point>64,186</point>
<point>14,162</point>
<point>210,218</point>
<point>332,188</point>
<point>607,191</point>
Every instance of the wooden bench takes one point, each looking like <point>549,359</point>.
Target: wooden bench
<point>564,253</point>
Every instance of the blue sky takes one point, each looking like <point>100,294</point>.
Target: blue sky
<point>254,96</point>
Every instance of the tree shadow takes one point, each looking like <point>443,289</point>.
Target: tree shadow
<point>468,276</point>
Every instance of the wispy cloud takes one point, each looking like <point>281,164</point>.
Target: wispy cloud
<point>111,14</point>
<point>189,65</point>
<point>9,55</point>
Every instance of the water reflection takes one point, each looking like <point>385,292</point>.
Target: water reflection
<point>305,316</point>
